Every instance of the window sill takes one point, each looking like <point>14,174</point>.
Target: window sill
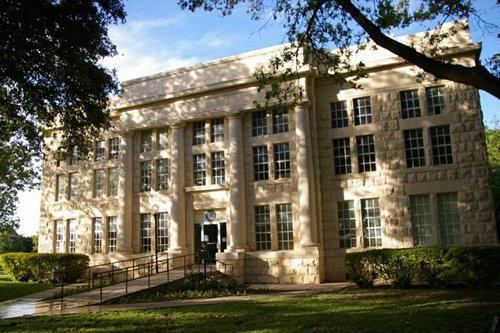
<point>207,188</point>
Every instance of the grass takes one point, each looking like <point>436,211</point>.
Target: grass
<point>350,310</point>
<point>12,289</point>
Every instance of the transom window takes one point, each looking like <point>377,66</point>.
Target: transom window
<point>259,123</point>
<point>146,171</point>
<point>146,141</point>
<point>366,153</point>
<point>441,145</point>
<point>414,148</point>
<point>199,170</point>
<point>162,174</point>
<point>342,156</point>
<point>114,148</point>
<point>280,121</point>
<point>161,138</point>
<point>339,114</point>
<point>262,228</point>
<point>218,168</point>
<point>372,228</point>
<point>284,219</point>
<point>145,245</point>
<point>260,163</point>
<point>217,130</point>
<point>347,224</point>
<point>198,133</point>
<point>99,151</point>
<point>362,111</point>
<point>98,235</point>
<point>410,104</point>
<point>282,160</point>
<point>448,218</point>
<point>435,100</point>
<point>421,220</point>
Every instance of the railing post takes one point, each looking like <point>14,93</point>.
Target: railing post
<point>88,282</point>
<point>62,288</point>
<point>100,291</point>
<point>112,274</point>
<point>126,280</point>
<point>149,274</point>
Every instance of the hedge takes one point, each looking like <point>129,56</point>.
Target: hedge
<point>473,266</point>
<point>40,267</point>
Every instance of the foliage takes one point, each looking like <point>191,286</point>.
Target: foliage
<point>474,266</point>
<point>493,145</point>
<point>44,267</point>
<point>50,76</point>
<point>321,26</point>
<point>11,243</point>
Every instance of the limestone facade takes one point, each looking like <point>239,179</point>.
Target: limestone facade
<point>281,196</point>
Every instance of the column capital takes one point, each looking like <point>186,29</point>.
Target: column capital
<point>236,115</point>
<point>179,125</point>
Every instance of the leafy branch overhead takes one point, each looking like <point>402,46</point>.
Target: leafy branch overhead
<point>319,26</point>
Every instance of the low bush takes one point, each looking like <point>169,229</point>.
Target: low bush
<point>473,266</point>
<point>40,267</point>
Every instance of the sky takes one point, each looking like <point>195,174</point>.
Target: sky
<point>158,37</point>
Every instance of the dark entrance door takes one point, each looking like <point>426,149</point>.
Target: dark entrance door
<point>214,234</point>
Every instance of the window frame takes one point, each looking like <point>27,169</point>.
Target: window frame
<point>217,130</point>
<point>339,115</point>
<point>282,162</point>
<point>366,155</point>
<point>263,240</point>
<point>218,167</point>
<point>280,121</point>
<point>441,146</point>
<point>362,111</point>
<point>199,170</point>
<point>342,160</point>
<point>284,226</point>
<point>414,147</point>
<point>259,123</point>
<point>410,104</point>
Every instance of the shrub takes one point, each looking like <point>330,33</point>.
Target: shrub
<point>361,269</point>
<point>40,267</point>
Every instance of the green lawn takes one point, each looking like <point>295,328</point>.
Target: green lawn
<point>10,290</point>
<point>351,310</point>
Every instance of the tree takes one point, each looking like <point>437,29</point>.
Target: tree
<point>493,145</point>
<point>320,26</point>
<point>50,77</point>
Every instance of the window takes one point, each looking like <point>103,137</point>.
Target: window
<point>435,100</point>
<point>339,114</point>
<point>342,156</point>
<point>284,219</point>
<point>410,104</point>
<point>113,182</point>
<point>217,130</point>
<point>100,149</point>
<point>260,165</point>
<point>362,111</point>
<point>98,183</point>
<point>61,187</point>
<point>59,237</point>
<point>73,186</point>
<point>72,236</point>
<point>366,153</point>
<point>441,145</point>
<point>448,218</point>
<point>145,233</point>
<point>371,222</point>
<point>146,141</point>
<point>199,170</point>
<point>146,176</point>
<point>198,133</point>
<point>73,157</point>
<point>280,121</point>
<point>259,123</point>
<point>114,148</point>
<point>112,234</point>
<point>347,224</point>
<point>98,233</point>
<point>162,229</point>
<point>421,220</point>
<point>262,228</point>
<point>414,148</point>
<point>218,168</point>
<point>161,139</point>
<point>282,160</point>
<point>162,174</point>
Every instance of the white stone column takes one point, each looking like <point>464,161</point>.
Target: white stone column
<point>177,225</point>
<point>237,198</point>
<point>307,211</point>
<point>125,192</point>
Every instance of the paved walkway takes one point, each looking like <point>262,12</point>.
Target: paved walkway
<point>33,305</point>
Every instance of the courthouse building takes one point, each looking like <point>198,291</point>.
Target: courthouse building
<point>280,195</point>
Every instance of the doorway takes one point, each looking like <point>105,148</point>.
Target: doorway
<point>212,233</point>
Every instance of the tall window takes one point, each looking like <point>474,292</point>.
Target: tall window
<point>342,156</point>
<point>372,228</point>
<point>72,236</point>
<point>161,139</point>
<point>262,228</point>
<point>98,183</point>
<point>260,163</point>
<point>162,232</point>
<point>284,221</point>
<point>146,141</point>
<point>339,114</point>
<point>59,237</point>
<point>198,133</point>
<point>421,220</point>
<point>73,157</point>
<point>414,148</point>
<point>112,234</point>
<point>259,123</point>
<point>145,233</point>
<point>441,145</point>
<point>162,174</point>
<point>366,153</point>
<point>114,148</point>
<point>410,104</point>
<point>435,100</point>
<point>98,234</point>
<point>73,186</point>
<point>60,187</point>
<point>217,130</point>
<point>146,169</point>
<point>281,160</point>
<point>362,111</point>
<point>199,170</point>
<point>113,182</point>
<point>347,224</point>
<point>448,218</point>
<point>100,149</point>
<point>280,121</point>
<point>218,168</point>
